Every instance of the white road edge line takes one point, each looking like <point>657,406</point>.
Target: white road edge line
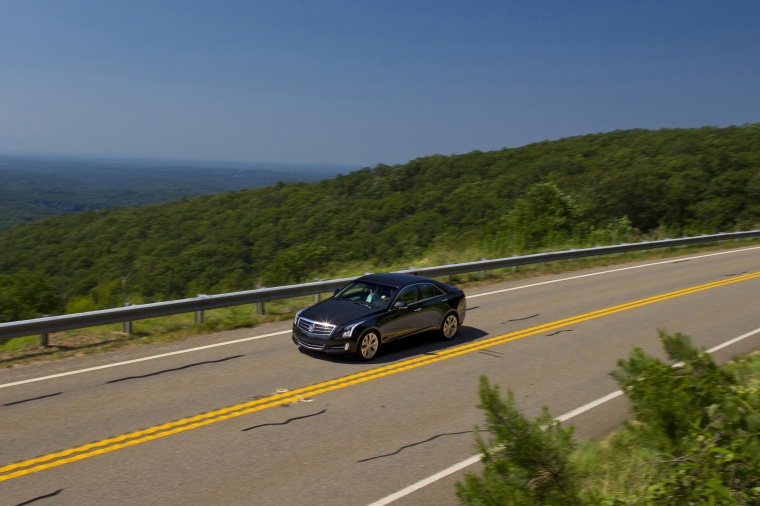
<point>611,271</point>
<point>570,414</point>
<point>179,352</point>
<point>117,364</point>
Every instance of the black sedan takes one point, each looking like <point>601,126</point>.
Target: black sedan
<point>378,308</point>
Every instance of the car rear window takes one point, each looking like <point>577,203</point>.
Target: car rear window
<point>428,291</point>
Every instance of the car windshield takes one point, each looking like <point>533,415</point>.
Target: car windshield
<point>368,294</point>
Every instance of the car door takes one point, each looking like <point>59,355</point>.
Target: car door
<point>431,310</point>
<point>402,321</point>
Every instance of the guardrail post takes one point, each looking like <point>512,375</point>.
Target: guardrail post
<point>514,267</point>
<point>44,335</point>
<point>482,272</point>
<point>199,313</point>
<point>128,323</point>
<point>317,295</point>
<point>259,305</point>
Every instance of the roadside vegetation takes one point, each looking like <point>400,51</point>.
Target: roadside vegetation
<point>24,350</point>
<point>695,439</point>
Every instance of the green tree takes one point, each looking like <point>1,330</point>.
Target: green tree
<point>27,296</point>
<point>705,423</point>
<point>525,462</point>
<point>294,264</point>
<point>544,216</point>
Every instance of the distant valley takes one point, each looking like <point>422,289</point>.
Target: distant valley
<point>35,187</point>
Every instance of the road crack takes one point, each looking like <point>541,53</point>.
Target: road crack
<point>286,421</point>
<point>416,444</point>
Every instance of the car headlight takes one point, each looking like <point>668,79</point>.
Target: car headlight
<point>349,330</point>
<point>298,317</point>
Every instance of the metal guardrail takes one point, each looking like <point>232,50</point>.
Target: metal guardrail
<point>43,326</point>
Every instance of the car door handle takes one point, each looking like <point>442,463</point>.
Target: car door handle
<point>418,309</point>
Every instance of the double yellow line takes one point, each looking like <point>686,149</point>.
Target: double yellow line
<point>142,436</point>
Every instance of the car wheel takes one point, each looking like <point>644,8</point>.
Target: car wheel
<point>449,326</point>
<point>369,344</point>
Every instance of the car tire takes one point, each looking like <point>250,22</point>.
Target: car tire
<point>449,326</point>
<point>368,346</point>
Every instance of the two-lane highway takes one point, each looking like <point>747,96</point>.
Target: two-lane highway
<point>245,418</point>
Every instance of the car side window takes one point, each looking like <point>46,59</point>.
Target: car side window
<point>408,295</point>
<point>428,291</point>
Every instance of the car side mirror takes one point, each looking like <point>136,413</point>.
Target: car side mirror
<point>399,305</point>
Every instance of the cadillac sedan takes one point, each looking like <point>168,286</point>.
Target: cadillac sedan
<point>376,309</point>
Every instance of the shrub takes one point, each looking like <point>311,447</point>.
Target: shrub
<point>526,462</point>
<point>695,440</point>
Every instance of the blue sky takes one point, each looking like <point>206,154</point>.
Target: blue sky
<point>364,82</point>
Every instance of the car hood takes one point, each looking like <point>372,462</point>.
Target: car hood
<point>337,312</point>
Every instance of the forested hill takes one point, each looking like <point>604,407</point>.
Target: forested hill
<point>575,192</point>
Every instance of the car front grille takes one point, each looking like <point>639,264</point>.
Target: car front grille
<point>313,328</point>
<point>310,346</point>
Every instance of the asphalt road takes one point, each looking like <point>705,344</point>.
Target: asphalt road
<point>248,419</point>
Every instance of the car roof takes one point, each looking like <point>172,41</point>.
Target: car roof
<point>394,279</point>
